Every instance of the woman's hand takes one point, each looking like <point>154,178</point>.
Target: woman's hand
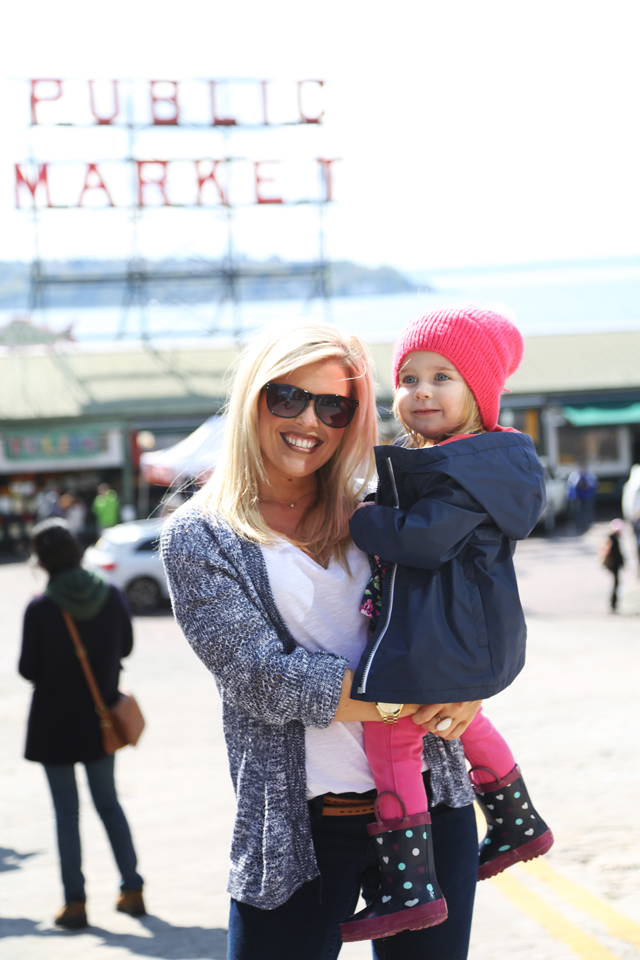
<point>427,716</point>
<point>365,503</point>
<point>358,710</point>
<point>431,715</point>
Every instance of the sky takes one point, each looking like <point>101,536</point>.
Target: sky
<point>468,132</point>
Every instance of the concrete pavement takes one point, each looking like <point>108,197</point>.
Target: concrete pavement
<point>571,719</point>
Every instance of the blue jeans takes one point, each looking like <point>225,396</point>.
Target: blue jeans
<point>62,781</point>
<point>306,926</point>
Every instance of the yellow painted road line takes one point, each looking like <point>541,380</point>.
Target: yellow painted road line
<point>618,925</point>
<point>582,944</point>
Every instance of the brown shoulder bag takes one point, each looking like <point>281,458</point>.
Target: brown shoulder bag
<point>123,723</point>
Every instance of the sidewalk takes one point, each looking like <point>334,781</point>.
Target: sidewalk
<point>571,719</point>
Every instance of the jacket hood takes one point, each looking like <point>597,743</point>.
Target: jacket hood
<point>82,593</point>
<point>501,471</point>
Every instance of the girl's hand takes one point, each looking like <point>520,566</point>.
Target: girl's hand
<point>461,715</point>
<point>365,503</point>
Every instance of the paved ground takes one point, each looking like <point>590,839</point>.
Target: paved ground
<point>571,719</point>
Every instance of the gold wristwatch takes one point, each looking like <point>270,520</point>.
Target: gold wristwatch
<point>390,712</point>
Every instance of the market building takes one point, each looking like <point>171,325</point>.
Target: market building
<point>73,417</point>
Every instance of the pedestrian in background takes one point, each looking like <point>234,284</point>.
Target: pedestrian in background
<point>49,505</point>
<point>106,507</point>
<point>63,727</point>
<point>612,558</point>
<point>75,513</point>
<point>636,531</point>
<point>582,487</point>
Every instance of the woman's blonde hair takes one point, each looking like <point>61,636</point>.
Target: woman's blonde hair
<point>471,421</point>
<point>232,492</point>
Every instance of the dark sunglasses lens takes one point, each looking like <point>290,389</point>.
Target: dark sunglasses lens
<point>285,401</point>
<point>335,411</point>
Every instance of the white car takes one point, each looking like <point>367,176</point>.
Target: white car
<point>631,495</point>
<point>127,556</point>
<point>556,490</point>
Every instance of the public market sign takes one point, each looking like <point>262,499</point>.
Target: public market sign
<point>192,106</point>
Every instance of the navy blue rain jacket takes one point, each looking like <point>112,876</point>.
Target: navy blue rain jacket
<point>446,520</point>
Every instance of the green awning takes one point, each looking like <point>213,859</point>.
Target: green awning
<point>610,414</point>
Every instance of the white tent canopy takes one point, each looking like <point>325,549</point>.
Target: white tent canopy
<point>195,456</point>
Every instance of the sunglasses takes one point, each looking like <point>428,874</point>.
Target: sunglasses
<point>289,402</point>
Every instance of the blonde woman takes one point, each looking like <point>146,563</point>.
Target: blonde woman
<point>266,583</point>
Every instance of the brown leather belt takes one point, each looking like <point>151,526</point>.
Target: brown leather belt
<point>341,807</point>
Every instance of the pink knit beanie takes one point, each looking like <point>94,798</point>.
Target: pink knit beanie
<point>483,345</point>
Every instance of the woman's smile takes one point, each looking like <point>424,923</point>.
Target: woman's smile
<point>300,442</point>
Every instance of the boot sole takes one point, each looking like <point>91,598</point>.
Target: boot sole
<point>528,851</point>
<point>414,918</point>
<point>132,911</point>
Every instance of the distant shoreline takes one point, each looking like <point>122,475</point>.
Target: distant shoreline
<point>594,296</point>
<point>104,283</point>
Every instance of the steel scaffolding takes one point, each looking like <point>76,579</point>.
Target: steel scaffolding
<point>222,280</point>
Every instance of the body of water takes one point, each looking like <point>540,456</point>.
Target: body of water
<point>546,299</point>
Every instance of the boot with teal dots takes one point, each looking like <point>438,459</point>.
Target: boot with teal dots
<point>515,830</point>
<point>409,897</point>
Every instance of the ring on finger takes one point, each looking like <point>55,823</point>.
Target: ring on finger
<point>443,723</point>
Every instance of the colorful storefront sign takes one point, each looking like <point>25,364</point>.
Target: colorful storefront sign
<point>61,448</point>
<point>61,444</point>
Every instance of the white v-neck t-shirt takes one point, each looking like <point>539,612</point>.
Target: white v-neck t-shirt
<point>321,608</point>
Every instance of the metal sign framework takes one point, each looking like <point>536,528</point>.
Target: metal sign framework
<point>230,105</point>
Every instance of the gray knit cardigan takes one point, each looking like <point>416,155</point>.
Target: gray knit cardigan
<point>271,689</point>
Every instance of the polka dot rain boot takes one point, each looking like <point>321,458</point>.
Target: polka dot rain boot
<point>515,830</point>
<point>409,897</point>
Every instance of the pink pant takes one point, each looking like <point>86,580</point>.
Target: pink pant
<point>394,752</point>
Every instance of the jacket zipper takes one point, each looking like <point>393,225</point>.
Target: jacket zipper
<point>392,579</point>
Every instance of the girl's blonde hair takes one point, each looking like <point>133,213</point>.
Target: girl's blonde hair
<point>471,421</point>
<point>232,492</point>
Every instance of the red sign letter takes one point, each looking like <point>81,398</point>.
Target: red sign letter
<point>218,121</point>
<point>161,184</point>
<point>259,198</point>
<point>116,106</point>
<point>303,117</point>
<point>202,179</point>
<point>35,99</point>
<point>32,186</point>
<point>265,116</point>
<point>325,170</point>
<point>172,99</point>
<point>99,185</point>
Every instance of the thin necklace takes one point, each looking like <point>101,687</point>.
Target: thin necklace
<point>289,503</point>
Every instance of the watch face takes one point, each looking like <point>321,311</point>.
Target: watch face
<point>389,707</point>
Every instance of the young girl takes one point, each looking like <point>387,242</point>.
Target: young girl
<point>449,627</point>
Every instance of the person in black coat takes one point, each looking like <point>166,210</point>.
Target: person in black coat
<point>613,559</point>
<point>63,727</point>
